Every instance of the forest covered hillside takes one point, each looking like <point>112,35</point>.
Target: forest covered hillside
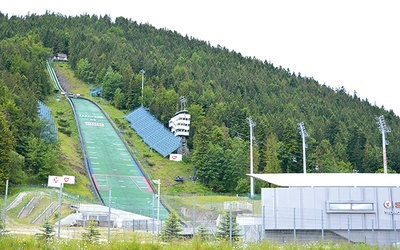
<point>222,89</point>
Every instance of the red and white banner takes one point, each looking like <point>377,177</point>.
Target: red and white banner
<point>175,157</point>
<point>68,179</point>
<point>56,181</point>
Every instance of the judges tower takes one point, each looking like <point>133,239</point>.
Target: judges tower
<point>180,125</point>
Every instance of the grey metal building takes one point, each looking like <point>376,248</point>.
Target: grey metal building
<point>349,207</point>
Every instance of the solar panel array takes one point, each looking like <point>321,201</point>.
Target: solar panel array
<point>48,132</point>
<point>153,132</point>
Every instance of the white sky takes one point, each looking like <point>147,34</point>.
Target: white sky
<point>350,43</point>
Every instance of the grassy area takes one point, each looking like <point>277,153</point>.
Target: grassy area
<point>141,241</point>
<point>70,151</point>
<point>75,86</point>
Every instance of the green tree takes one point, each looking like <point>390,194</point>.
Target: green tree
<point>17,174</point>
<point>171,228</point>
<point>203,233</point>
<point>228,228</point>
<point>289,148</point>
<point>39,158</point>
<point>7,144</point>
<point>118,99</point>
<point>111,82</point>
<point>47,231</point>
<point>324,159</point>
<point>91,233</point>
<point>165,104</point>
<point>236,164</point>
<point>271,155</point>
<point>211,170</point>
<point>356,148</point>
<point>84,70</point>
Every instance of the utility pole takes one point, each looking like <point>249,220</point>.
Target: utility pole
<point>109,214</point>
<point>303,134</point>
<point>143,72</point>
<point>158,182</point>
<point>384,130</point>
<point>194,216</point>
<point>58,181</point>
<point>251,124</point>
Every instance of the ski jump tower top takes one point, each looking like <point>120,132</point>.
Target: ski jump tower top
<point>180,125</point>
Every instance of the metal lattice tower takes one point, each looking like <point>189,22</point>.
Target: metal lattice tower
<point>251,124</point>
<point>183,102</point>
<point>384,130</point>
<point>303,134</point>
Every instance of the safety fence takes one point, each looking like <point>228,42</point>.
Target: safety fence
<point>305,225</point>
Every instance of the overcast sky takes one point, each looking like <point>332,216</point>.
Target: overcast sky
<point>349,43</point>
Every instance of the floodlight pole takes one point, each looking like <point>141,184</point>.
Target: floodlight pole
<point>251,124</point>
<point>158,182</point>
<point>158,200</point>
<point>143,72</point>
<point>384,130</point>
<point>303,134</point>
<point>384,153</point>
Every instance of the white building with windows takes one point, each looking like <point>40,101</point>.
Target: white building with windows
<point>349,207</point>
<point>180,127</point>
<point>180,123</point>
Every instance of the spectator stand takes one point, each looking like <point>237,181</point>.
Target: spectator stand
<point>152,131</point>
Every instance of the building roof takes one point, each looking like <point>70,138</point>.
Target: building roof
<point>331,180</point>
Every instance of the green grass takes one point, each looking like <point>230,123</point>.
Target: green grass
<point>71,158</point>
<point>135,240</point>
<point>76,86</point>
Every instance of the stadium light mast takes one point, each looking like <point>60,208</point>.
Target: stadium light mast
<point>384,130</point>
<point>303,134</point>
<point>143,72</point>
<point>251,124</point>
<point>158,182</point>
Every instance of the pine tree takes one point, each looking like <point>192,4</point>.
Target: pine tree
<point>228,228</point>
<point>47,231</point>
<point>271,155</point>
<point>92,234</point>
<point>203,233</point>
<point>171,228</point>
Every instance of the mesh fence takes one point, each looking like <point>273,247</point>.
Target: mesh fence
<point>305,225</point>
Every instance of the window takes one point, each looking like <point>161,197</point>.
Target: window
<point>339,206</point>
<point>350,207</point>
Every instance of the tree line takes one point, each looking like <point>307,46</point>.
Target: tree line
<point>25,156</point>
<point>222,89</point>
